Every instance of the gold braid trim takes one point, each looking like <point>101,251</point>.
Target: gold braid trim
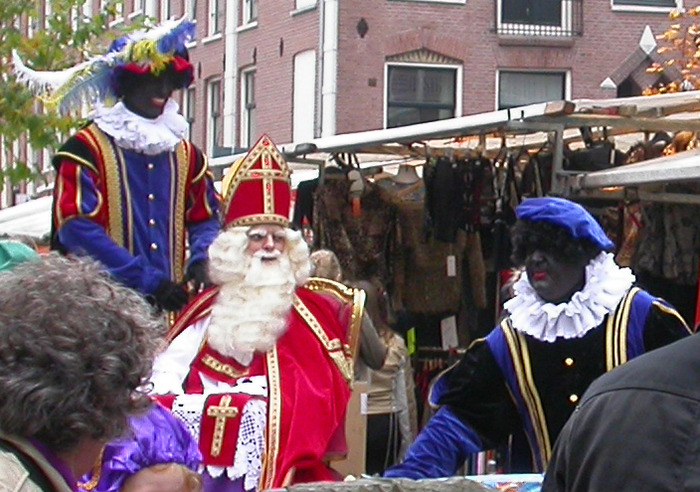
<point>347,295</point>
<point>520,355</point>
<point>98,140</point>
<point>182,152</point>
<point>274,421</point>
<point>338,352</point>
<point>616,332</point>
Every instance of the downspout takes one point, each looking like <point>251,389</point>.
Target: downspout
<point>329,66</point>
<point>230,75</point>
<point>319,74</point>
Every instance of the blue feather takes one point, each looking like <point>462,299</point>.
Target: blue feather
<point>175,40</point>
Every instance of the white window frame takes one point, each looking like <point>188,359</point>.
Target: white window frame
<point>139,8</point>
<point>566,72</point>
<point>301,90</point>
<point>247,17</point>
<point>566,26</point>
<point>189,105</point>
<point>215,116</point>
<point>245,133</point>
<point>165,10</point>
<point>301,5</point>
<point>644,8</point>
<point>462,2</point>
<point>458,83</point>
<point>191,9</point>
<point>215,18</point>
<point>151,9</point>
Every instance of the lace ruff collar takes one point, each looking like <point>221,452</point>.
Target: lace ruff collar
<point>133,132</point>
<point>606,285</point>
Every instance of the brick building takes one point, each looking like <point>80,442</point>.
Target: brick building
<point>299,69</point>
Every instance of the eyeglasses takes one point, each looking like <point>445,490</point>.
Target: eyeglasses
<point>258,236</point>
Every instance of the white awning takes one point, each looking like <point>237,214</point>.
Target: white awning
<point>32,218</point>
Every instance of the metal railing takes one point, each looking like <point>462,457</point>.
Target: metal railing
<point>529,23</point>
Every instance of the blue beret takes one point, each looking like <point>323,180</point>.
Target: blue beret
<point>567,214</point>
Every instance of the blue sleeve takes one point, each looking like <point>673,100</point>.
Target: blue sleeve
<point>84,237</point>
<point>439,450</point>
<point>201,235</point>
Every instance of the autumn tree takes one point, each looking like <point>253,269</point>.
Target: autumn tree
<point>680,47</point>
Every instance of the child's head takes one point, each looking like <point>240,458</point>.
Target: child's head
<point>166,477</point>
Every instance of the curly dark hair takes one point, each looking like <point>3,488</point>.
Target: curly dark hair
<point>527,235</point>
<point>74,347</point>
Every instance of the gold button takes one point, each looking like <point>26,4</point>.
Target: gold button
<point>154,246</point>
<point>573,398</point>
<point>151,196</point>
<point>150,166</point>
<point>151,222</point>
<point>569,362</point>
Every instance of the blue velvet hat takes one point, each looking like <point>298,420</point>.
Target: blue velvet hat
<point>564,213</point>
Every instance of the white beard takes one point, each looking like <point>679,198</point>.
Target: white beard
<point>250,312</point>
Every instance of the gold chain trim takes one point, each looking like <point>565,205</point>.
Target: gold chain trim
<point>95,475</point>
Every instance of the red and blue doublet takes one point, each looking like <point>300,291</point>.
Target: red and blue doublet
<point>512,384</point>
<point>135,213</point>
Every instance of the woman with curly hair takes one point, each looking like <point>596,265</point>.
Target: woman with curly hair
<point>75,348</point>
<point>575,315</point>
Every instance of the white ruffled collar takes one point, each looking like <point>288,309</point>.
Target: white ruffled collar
<point>134,132</point>
<point>606,284</point>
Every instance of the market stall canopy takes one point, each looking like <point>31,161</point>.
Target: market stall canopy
<point>32,218</point>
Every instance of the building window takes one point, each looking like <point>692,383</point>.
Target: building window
<point>215,17</point>
<point>139,6</point>
<point>416,94</point>
<point>303,4</point>
<point>649,4</point>
<point>213,117</point>
<point>165,11</point>
<point>191,9</point>
<point>250,11</point>
<point>304,98</point>
<point>540,17</point>
<point>522,88</point>
<point>151,8</point>
<point>247,108</point>
<point>188,105</point>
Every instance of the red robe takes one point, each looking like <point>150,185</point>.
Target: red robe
<point>309,373</point>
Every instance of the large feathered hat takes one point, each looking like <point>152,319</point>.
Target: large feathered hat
<point>257,188</point>
<point>150,51</point>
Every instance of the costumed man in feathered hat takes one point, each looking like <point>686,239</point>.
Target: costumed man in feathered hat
<point>575,315</point>
<point>260,366</point>
<point>130,191</point>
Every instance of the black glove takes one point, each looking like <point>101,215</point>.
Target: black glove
<point>197,274</point>
<point>170,296</point>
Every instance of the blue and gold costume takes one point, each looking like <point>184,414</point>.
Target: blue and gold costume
<point>518,386</point>
<point>134,212</point>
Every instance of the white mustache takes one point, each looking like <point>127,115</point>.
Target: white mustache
<point>267,255</point>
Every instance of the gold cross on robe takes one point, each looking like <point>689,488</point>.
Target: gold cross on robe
<point>220,412</point>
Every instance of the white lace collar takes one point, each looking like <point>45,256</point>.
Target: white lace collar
<point>606,284</point>
<point>134,132</point>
